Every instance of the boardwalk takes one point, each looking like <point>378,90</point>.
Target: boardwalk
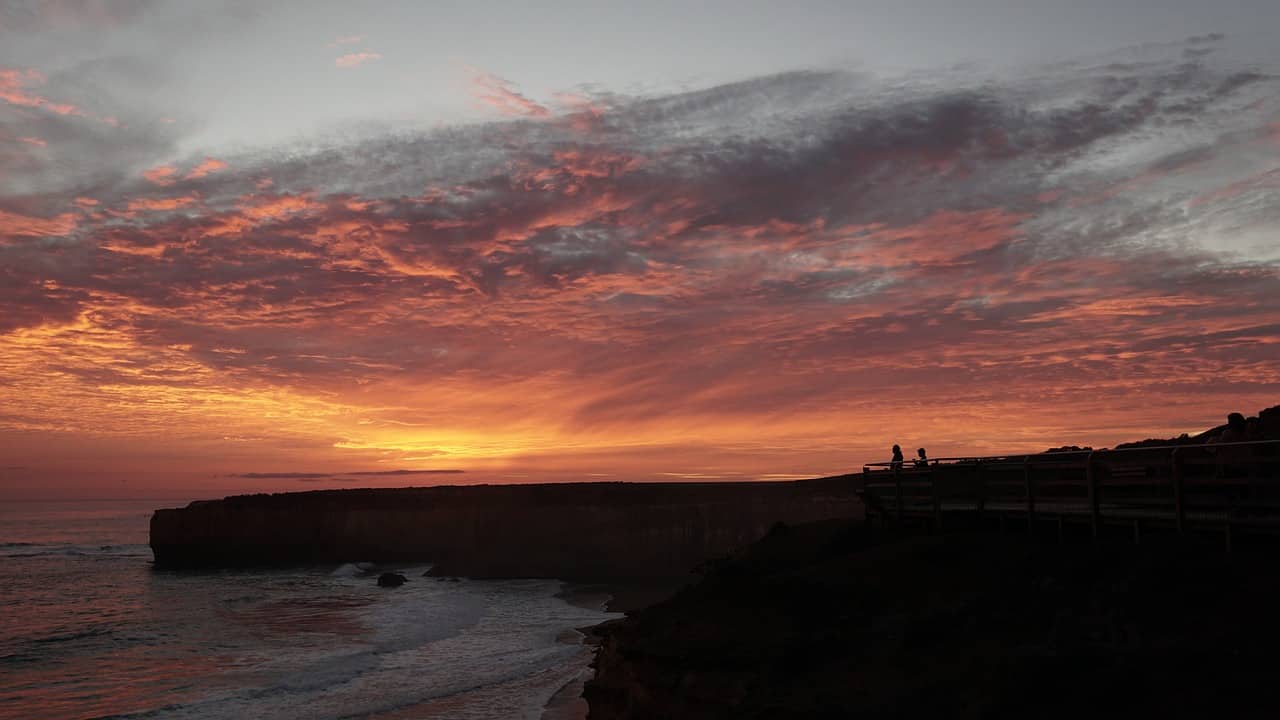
<point>1230,487</point>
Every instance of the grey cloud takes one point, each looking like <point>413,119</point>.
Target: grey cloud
<point>56,15</point>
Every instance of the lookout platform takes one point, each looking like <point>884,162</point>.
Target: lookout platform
<point>1224,487</point>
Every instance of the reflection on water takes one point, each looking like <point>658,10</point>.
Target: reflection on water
<point>88,629</point>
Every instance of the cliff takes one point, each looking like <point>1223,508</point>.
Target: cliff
<point>572,531</point>
<point>835,620</point>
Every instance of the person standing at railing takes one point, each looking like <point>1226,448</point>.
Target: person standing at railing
<point>896,465</point>
<point>1235,429</point>
<point>923,460</point>
<point>1253,430</point>
<point>1229,461</point>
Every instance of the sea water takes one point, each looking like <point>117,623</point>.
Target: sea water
<point>89,630</point>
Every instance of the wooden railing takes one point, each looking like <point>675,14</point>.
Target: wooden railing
<point>1230,486</point>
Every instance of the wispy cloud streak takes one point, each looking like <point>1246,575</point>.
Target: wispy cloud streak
<point>356,59</point>
<point>500,94</point>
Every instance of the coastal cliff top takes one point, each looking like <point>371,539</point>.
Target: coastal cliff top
<point>569,493</point>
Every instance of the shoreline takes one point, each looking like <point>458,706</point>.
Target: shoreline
<point>621,597</point>
<point>570,702</point>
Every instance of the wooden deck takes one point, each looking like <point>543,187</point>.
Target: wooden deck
<point>1230,487</point>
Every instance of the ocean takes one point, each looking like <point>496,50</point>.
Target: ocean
<point>89,630</point>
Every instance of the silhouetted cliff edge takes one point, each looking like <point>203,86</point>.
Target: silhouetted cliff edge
<point>838,620</point>
<point>571,531</point>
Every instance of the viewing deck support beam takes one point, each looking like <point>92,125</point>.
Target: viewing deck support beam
<point>1179,507</point>
<point>1031,495</point>
<point>1095,504</point>
<point>897,482</point>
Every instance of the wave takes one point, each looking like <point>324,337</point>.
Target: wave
<point>475,649</point>
<point>360,569</point>
<point>72,636</point>
<point>31,550</point>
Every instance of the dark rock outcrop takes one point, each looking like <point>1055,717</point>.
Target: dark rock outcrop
<point>835,620</point>
<point>391,580</point>
<point>571,531</point>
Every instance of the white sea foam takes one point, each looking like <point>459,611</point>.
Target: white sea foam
<point>286,643</point>
<point>353,569</point>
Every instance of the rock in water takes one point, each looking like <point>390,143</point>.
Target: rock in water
<point>391,580</point>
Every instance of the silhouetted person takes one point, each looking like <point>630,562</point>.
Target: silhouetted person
<point>896,465</point>
<point>923,460</point>
<point>1253,429</point>
<point>1235,431</point>
<point>1228,460</point>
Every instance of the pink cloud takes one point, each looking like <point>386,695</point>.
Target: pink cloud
<point>584,114</point>
<point>15,224</point>
<point>207,166</point>
<point>14,86</point>
<point>351,60</point>
<point>161,203</point>
<point>1268,180</point>
<point>501,95</point>
<point>161,175</point>
<point>33,141</point>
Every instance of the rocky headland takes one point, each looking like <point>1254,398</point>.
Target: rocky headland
<point>631,532</point>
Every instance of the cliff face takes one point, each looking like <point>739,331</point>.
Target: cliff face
<point>588,531</point>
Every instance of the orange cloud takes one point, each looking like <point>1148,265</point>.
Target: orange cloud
<point>33,141</point>
<point>15,224</point>
<point>351,60</point>
<point>14,86</point>
<point>162,175</point>
<point>206,166</point>
<point>160,204</point>
<point>500,94</point>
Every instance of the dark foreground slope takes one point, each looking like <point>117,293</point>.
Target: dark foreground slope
<point>837,620</point>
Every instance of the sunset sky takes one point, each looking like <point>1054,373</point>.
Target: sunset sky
<point>248,247</point>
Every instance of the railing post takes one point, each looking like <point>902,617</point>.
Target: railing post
<point>1095,506</point>
<point>897,481</point>
<point>1031,495</point>
<point>982,492</point>
<point>1179,509</point>
<point>937,501</point>
<point>866,506</point>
